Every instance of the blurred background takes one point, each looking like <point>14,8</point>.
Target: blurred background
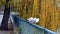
<point>48,11</point>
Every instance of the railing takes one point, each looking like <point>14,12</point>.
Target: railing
<point>28,28</point>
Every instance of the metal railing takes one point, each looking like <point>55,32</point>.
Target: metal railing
<point>24,27</point>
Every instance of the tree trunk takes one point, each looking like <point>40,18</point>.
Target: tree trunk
<point>4,25</point>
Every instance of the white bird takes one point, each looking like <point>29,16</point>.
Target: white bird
<point>30,19</point>
<point>37,20</point>
<point>33,20</point>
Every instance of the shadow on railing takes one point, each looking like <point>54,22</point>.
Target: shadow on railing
<point>28,28</point>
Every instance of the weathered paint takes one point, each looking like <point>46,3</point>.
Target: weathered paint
<point>29,28</point>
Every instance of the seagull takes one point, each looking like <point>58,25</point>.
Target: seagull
<point>33,20</point>
<point>37,20</point>
<point>29,19</point>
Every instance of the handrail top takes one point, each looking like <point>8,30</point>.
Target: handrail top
<point>35,25</point>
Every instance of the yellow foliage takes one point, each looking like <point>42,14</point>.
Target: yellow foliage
<point>43,9</point>
<point>48,13</point>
